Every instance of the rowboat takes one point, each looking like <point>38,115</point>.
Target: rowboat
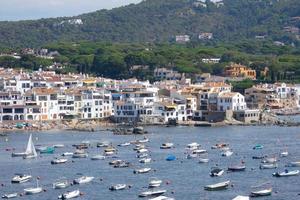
<point>217,186</point>
<point>10,196</point>
<point>286,173</point>
<point>152,193</point>
<point>59,161</point>
<point>69,195</point>
<point>268,166</point>
<point>237,168</point>
<point>260,193</point>
<point>142,171</point>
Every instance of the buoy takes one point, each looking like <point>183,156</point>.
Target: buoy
<point>45,190</point>
<point>2,184</point>
<point>81,193</point>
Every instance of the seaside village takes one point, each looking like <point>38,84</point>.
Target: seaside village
<point>44,96</point>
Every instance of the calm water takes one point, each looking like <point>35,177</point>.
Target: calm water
<point>187,177</point>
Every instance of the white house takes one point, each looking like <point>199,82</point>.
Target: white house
<point>231,101</point>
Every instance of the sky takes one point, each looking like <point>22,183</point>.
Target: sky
<point>13,10</point>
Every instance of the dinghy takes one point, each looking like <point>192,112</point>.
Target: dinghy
<point>98,157</point>
<point>268,166</point>
<point>118,187</point>
<point>203,160</point>
<point>152,193</point>
<point>227,153</point>
<point>59,161</point>
<point>261,193</point>
<point>294,164</point>
<point>216,172</point>
<point>142,171</point>
<point>237,168</point>
<point>284,154</point>
<point>154,183</point>
<point>67,154</point>
<point>241,198</point>
<point>145,160</point>
<point>10,196</point>
<point>83,180</point>
<point>162,198</point>
<point>286,173</point>
<point>217,186</point>
<point>61,184</point>
<point>167,145</point>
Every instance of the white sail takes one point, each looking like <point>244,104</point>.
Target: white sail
<point>30,150</point>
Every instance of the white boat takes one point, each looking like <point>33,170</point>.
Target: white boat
<point>199,151</point>
<point>10,196</point>
<point>227,153</point>
<point>98,157</point>
<point>109,153</point>
<point>261,193</point>
<point>124,144</point>
<point>155,183</point>
<point>21,178</point>
<point>70,195</point>
<point>118,187</point>
<point>145,160</point>
<point>59,161</point>
<point>167,145</point>
<point>287,173</point>
<point>30,150</point>
<point>143,155</point>
<point>33,190</point>
<point>67,154</point>
<point>269,160</point>
<point>268,166</point>
<point>83,179</point>
<point>241,198</point>
<point>103,144</point>
<point>61,184</point>
<point>142,171</point>
<point>217,186</point>
<point>145,140</point>
<point>152,193</point>
<point>192,145</point>
<point>162,198</point>
<point>80,154</point>
<point>203,160</point>
<point>284,154</point>
<point>59,146</point>
<point>294,164</point>
<point>216,172</point>
<point>142,151</point>
<point>191,156</point>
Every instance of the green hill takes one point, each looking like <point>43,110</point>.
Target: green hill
<point>160,20</point>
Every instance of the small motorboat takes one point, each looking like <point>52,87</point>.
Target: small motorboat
<point>109,153</point>
<point>145,160</point>
<point>142,155</point>
<point>103,144</point>
<point>239,197</point>
<point>33,190</point>
<point>152,193</point>
<point>258,146</point>
<point>192,145</point>
<point>115,162</point>
<point>61,184</point>
<point>216,172</point>
<point>47,150</point>
<point>261,193</point>
<point>142,151</point>
<point>118,187</point>
<point>268,166</point>
<point>142,171</point>
<point>167,145</point>
<point>191,156</point>
<point>67,154</point>
<point>83,180</point>
<point>269,160</point>
<point>155,183</point>
<point>227,153</point>
<point>145,140</point>
<point>122,164</point>
<point>171,158</point>
<point>294,164</point>
<point>59,161</point>
<point>237,168</point>
<point>59,146</point>
<point>69,195</point>
<point>124,144</point>
<point>21,178</point>
<point>284,154</point>
<point>217,186</point>
<point>199,151</point>
<point>286,173</point>
<point>162,198</point>
<point>80,154</point>
<point>203,160</point>
<point>10,196</point>
<point>98,157</point>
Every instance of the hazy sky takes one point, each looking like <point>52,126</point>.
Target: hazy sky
<point>35,9</point>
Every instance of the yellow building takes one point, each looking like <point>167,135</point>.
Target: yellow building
<point>237,70</point>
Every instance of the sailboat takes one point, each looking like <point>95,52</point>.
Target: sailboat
<point>30,150</point>
<point>34,190</point>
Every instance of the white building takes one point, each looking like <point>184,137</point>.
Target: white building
<point>231,101</point>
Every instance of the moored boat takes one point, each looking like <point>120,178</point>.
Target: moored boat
<point>237,168</point>
<point>294,164</point>
<point>59,161</point>
<point>286,173</point>
<point>260,193</point>
<point>61,184</point>
<point>67,154</point>
<point>30,150</point>
<point>227,153</point>
<point>268,166</point>
<point>284,154</point>
<point>10,196</point>
<point>217,186</point>
<point>154,183</point>
<point>21,178</point>
<point>69,195</point>
<point>152,193</point>
<point>98,157</point>
<point>142,171</point>
<point>167,145</point>
<point>118,187</point>
<point>203,160</point>
<point>216,172</point>
<point>145,160</point>
<point>171,158</point>
<point>83,180</point>
<point>239,197</point>
<point>258,146</point>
